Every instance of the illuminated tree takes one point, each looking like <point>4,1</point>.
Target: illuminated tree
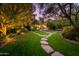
<point>15,15</point>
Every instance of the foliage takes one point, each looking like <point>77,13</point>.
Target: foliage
<point>24,29</point>
<point>2,36</point>
<point>54,25</point>
<point>64,10</point>
<point>57,42</point>
<point>51,25</point>
<point>34,28</point>
<point>70,32</point>
<point>15,15</point>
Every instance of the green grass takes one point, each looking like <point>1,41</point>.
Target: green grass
<point>41,32</point>
<point>67,48</point>
<point>25,45</point>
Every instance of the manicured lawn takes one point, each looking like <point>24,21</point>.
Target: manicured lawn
<point>41,32</point>
<point>25,45</point>
<point>57,42</point>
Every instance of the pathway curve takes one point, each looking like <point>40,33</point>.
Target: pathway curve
<point>45,45</point>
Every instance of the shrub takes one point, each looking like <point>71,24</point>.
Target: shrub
<point>77,38</point>
<point>69,32</point>
<point>54,25</point>
<point>59,26</point>
<point>51,25</point>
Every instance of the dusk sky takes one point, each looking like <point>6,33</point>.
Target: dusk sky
<point>41,9</point>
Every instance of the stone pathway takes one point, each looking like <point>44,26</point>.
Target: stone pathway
<point>46,47</point>
<point>44,42</point>
<point>38,34</point>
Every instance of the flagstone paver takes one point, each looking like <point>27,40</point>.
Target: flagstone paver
<point>56,53</point>
<point>44,39</point>
<point>43,42</point>
<point>46,47</point>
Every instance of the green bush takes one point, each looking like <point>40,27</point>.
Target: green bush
<point>69,32</point>
<point>51,25</point>
<point>54,25</point>
<point>59,26</point>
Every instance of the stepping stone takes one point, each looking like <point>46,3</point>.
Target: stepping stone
<point>47,48</point>
<point>49,35</point>
<point>44,42</point>
<point>43,35</point>
<point>56,54</point>
<point>44,39</point>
